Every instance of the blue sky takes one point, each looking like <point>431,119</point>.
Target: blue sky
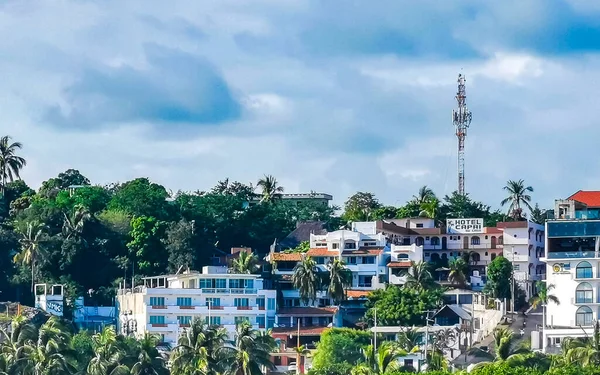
<point>335,96</point>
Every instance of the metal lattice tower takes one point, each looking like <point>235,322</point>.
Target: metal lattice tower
<point>461,118</point>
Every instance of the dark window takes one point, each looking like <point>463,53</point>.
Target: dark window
<point>584,293</point>
<point>584,316</point>
<point>584,270</point>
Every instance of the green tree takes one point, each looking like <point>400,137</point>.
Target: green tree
<point>108,355</point>
<point>544,297</point>
<point>340,346</point>
<point>401,305</point>
<point>148,360</point>
<point>430,209</point>
<point>499,276</point>
<point>199,350</point>
<point>245,263</point>
<point>250,352</point>
<point>10,163</point>
<point>181,244</point>
<point>424,195</point>
<point>146,245</point>
<point>140,197</point>
<point>360,207</point>
<point>31,250</point>
<point>461,206</point>
<point>74,224</point>
<point>306,279</point>
<point>518,194</point>
<point>340,278</point>
<point>270,188</point>
<point>382,361</point>
<point>385,212</point>
<point>410,209</point>
<point>458,269</point>
<point>419,276</point>
<point>538,215</point>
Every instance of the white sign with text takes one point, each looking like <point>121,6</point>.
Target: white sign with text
<point>464,226</point>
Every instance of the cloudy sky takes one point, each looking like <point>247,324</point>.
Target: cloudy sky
<point>327,95</point>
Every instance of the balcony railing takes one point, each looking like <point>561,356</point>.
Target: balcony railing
<point>571,255</point>
<point>229,291</point>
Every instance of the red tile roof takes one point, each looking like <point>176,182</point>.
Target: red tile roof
<point>296,311</point>
<point>322,252</point>
<point>590,198</point>
<point>492,230</point>
<point>304,331</point>
<point>512,224</point>
<point>357,293</point>
<point>365,251</point>
<point>285,257</point>
<point>404,264</point>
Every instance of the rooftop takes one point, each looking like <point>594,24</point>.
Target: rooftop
<point>304,331</point>
<point>590,197</point>
<point>285,257</point>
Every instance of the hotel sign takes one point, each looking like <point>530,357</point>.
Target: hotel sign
<point>464,226</point>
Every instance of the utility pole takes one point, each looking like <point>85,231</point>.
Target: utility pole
<point>512,283</point>
<point>427,332</point>
<point>461,118</point>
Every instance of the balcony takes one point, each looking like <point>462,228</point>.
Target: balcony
<point>229,291</point>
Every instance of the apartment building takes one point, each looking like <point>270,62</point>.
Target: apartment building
<point>572,260</point>
<point>165,305</point>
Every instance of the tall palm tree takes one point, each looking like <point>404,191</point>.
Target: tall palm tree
<point>410,340</point>
<point>457,275</point>
<point>149,360</point>
<point>419,276</point>
<point>430,208</point>
<point>245,263</point>
<point>249,353</point>
<point>425,194</point>
<point>270,188</point>
<point>506,348</point>
<point>31,251</point>
<point>12,340</point>
<point>198,351</point>
<point>380,362</point>
<point>108,355</point>
<point>543,298</point>
<point>340,279</point>
<point>585,351</point>
<point>10,163</point>
<point>73,225</point>
<point>517,196</point>
<point>306,279</point>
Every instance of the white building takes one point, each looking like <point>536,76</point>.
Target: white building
<point>400,262</point>
<point>166,304</point>
<point>573,268</point>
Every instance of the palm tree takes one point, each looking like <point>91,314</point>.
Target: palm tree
<point>31,251</point>
<point>419,276</point>
<point>301,353</point>
<point>12,340</point>
<point>430,208</point>
<point>149,360</point>
<point>245,263</point>
<point>543,298</point>
<point>380,362</point>
<point>457,276</point>
<point>10,163</point>
<point>340,278</point>
<point>585,351</point>
<point>250,352</point>
<point>73,226</point>
<point>518,194</point>
<point>425,194</point>
<point>410,340</point>
<point>198,351</point>
<point>270,188</point>
<point>108,356</point>
<point>506,348</point>
<point>306,279</point>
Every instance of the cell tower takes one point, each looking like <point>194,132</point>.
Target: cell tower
<point>461,118</point>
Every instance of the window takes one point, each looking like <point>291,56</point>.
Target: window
<point>157,301</point>
<point>583,270</point>
<point>406,241</point>
<point>271,304</point>
<point>184,319</point>
<point>260,320</point>
<point>475,240</point>
<point>214,320</point>
<point>365,281</point>
<point>240,319</point>
<point>408,363</point>
<point>270,322</point>
<point>320,260</point>
<point>157,319</point>
<point>486,237</point>
<point>584,293</point>
<point>335,246</point>
<point>435,241</point>
<point>321,244</point>
<point>419,241</point>
<point>241,283</point>
<point>260,302</point>
<point>241,302</point>
<point>516,267</point>
<point>370,244</point>
<point>211,301</point>
<point>351,260</point>
<point>212,283</point>
<point>184,301</point>
<point>350,245</point>
<point>419,225</point>
<point>584,316</point>
<point>402,256</point>
<point>368,260</point>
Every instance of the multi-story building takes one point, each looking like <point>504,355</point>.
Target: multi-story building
<point>402,257</point>
<point>573,267</point>
<point>166,304</point>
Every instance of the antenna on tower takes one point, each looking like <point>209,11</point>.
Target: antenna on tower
<point>461,118</point>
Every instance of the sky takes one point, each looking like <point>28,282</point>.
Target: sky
<point>334,96</point>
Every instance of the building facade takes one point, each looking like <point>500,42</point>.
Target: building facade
<point>166,305</point>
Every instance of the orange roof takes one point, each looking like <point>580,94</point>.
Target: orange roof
<point>404,264</point>
<point>293,331</point>
<point>357,293</point>
<point>363,251</point>
<point>286,257</point>
<point>493,230</point>
<point>512,224</point>
<point>322,252</point>
<point>590,198</point>
<point>307,311</point>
